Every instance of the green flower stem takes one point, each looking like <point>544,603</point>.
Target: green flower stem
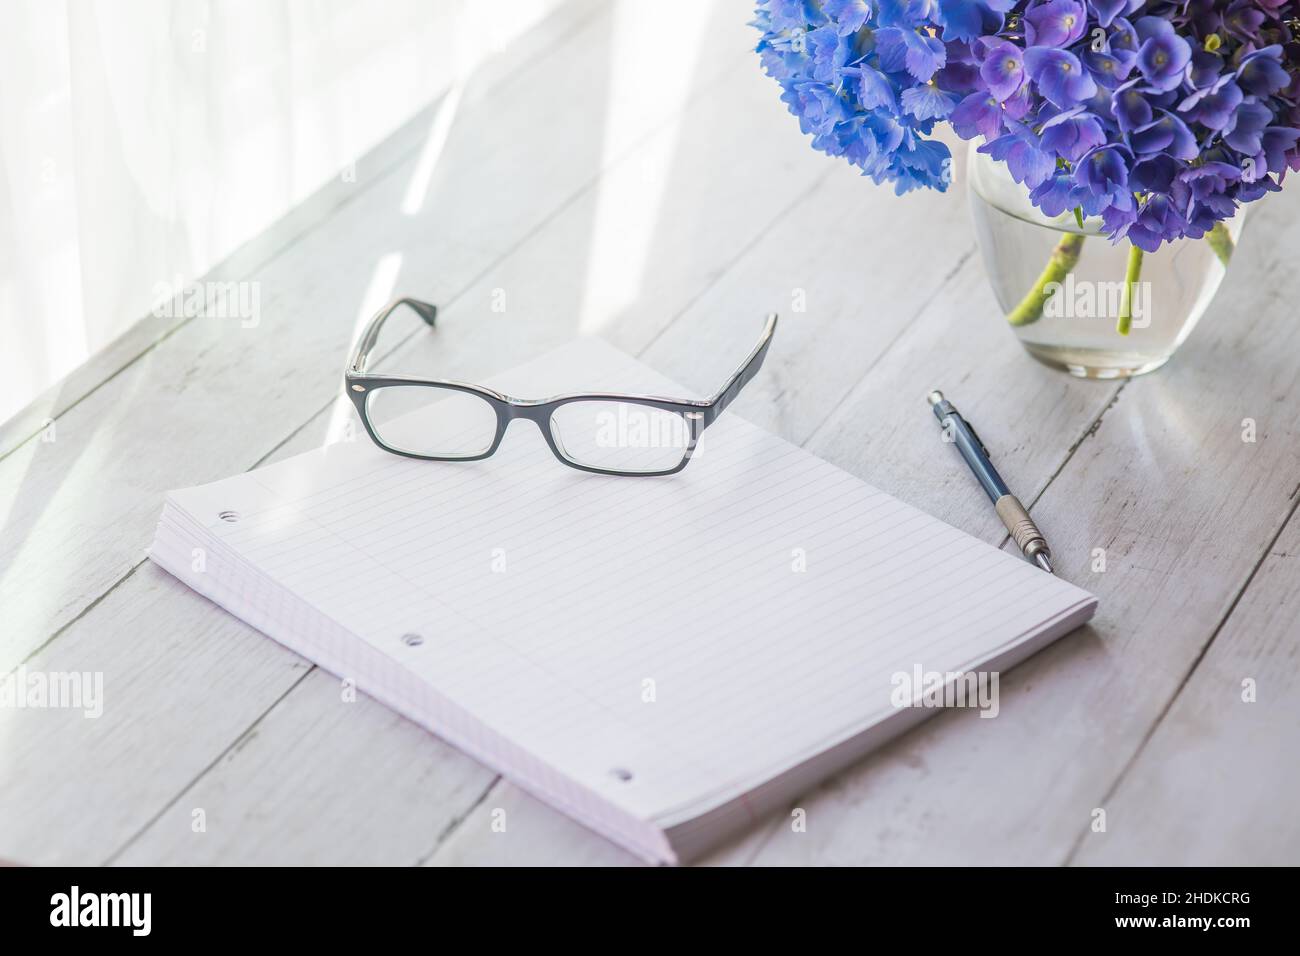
<point>1131,278</point>
<point>1220,241</point>
<point>1064,258</point>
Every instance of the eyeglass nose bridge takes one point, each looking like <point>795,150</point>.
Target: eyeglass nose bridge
<point>537,412</point>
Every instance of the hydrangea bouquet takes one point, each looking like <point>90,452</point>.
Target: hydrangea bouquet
<point>1159,117</point>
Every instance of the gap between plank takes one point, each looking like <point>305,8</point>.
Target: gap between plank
<point>907,327</point>
<point>1091,430</point>
<point>730,264</point>
<point>244,274</point>
<point>80,614</point>
<point>230,748</point>
<point>455,822</point>
<point>1173,698</point>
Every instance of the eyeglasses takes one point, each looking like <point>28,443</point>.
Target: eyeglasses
<point>605,433</point>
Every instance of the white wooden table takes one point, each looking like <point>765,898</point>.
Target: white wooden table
<point>632,172</point>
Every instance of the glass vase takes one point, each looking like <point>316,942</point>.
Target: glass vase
<point>1063,288</point>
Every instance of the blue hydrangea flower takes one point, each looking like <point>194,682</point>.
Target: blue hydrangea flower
<point>848,16</point>
<point>867,81</point>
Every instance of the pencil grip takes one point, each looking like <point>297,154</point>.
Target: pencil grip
<point>1020,526</point>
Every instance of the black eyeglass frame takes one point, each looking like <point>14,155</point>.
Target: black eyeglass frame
<point>698,414</point>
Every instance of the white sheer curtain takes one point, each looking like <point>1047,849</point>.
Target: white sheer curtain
<point>142,140</point>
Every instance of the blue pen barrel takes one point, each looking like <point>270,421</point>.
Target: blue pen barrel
<point>1014,517</point>
<point>958,431</point>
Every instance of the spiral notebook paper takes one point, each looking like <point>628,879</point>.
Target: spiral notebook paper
<point>664,659</point>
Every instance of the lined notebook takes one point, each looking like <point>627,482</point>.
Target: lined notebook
<point>664,659</point>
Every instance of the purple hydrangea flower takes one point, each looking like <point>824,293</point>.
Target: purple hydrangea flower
<point>1215,107</point>
<point>1163,56</point>
<point>1023,154</point>
<point>1003,71</point>
<point>1057,23</point>
<point>1244,19</point>
<point>1167,135</point>
<point>1103,175</point>
<point>1058,194</point>
<point>1131,108</point>
<point>1107,10</point>
<point>1245,131</point>
<point>1072,133</point>
<point>979,114</point>
<point>1059,75</point>
<point>1261,73</point>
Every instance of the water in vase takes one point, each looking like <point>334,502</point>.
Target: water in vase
<point>1062,288</point>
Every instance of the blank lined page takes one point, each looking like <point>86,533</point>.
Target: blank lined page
<point>667,642</point>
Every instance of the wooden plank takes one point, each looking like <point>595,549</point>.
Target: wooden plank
<point>837,318</point>
<point>1216,784</point>
<point>170,695</point>
<point>465,347</point>
<point>328,803</point>
<point>508,827</point>
<point>1184,509</point>
<point>81,510</point>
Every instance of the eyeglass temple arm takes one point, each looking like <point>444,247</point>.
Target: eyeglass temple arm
<point>727,394</point>
<point>425,310</point>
